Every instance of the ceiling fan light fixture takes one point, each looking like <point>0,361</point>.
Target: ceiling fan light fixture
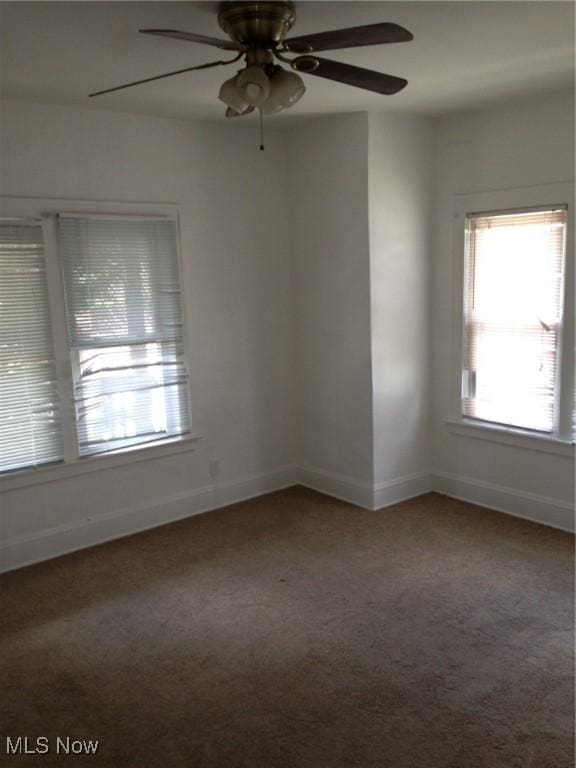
<point>253,86</point>
<point>231,96</point>
<point>286,88</point>
<point>257,31</point>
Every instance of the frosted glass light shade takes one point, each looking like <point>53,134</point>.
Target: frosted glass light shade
<point>286,88</point>
<point>253,86</point>
<point>231,96</point>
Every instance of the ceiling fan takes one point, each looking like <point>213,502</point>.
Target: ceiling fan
<point>257,32</point>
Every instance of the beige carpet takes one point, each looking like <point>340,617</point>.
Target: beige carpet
<point>296,631</point>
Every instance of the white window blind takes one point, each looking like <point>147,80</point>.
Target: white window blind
<point>125,330</point>
<point>30,432</point>
<point>512,317</point>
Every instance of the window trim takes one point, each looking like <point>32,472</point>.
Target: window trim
<point>514,436</point>
<point>49,473</point>
<point>46,210</point>
<point>504,201</point>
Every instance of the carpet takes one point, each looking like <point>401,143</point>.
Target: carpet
<point>298,631</point>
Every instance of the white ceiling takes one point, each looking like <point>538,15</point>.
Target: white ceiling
<point>464,54</point>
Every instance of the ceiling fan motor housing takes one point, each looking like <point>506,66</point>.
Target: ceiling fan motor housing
<point>257,24</point>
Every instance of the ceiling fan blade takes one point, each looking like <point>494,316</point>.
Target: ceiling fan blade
<point>226,45</point>
<point>346,73</point>
<point>353,37</point>
<point>232,112</point>
<point>168,74</point>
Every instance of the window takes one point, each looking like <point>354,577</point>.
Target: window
<point>92,357</point>
<point>513,315</point>
<point>125,331</point>
<point>29,407</point>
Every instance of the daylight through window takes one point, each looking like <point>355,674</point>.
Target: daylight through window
<point>29,405</point>
<point>513,292</point>
<point>125,331</point>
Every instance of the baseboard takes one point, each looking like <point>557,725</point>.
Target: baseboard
<point>556,513</point>
<point>339,486</point>
<point>44,545</point>
<point>401,489</point>
<point>361,493</point>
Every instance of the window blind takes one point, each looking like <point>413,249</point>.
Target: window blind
<point>512,317</point>
<point>30,432</point>
<point>125,330</point>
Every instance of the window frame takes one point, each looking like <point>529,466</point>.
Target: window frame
<point>46,210</point>
<point>561,441</point>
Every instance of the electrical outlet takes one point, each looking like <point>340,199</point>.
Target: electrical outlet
<point>214,467</point>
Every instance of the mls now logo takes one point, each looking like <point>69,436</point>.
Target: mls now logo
<point>63,745</point>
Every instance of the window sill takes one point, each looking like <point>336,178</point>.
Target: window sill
<point>518,438</point>
<point>27,477</point>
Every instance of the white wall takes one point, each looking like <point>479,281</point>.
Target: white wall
<point>328,177</point>
<point>237,290</point>
<point>521,144</point>
<point>307,287</point>
<point>360,193</point>
<point>400,173</point>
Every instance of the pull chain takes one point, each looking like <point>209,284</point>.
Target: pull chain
<point>261,129</point>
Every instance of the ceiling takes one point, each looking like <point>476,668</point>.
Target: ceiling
<point>464,54</point>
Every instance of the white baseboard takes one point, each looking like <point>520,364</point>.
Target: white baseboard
<point>339,486</point>
<point>44,545</point>
<point>546,510</point>
<point>401,489</point>
<point>361,493</point>
<point>556,513</point>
